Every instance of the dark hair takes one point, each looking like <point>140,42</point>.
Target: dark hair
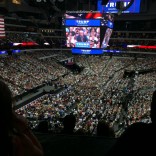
<point>43,126</point>
<point>153,108</point>
<point>6,106</point>
<point>6,118</point>
<point>103,129</point>
<point>12,128</point>
<point>69,123</point>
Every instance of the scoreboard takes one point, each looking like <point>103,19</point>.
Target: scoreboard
<point>88,31</point>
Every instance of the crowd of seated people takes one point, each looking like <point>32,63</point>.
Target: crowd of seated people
<point>120,40</point>
<point>139,108</point>
<point>26,71</point>
<point>145,80</point>
<point>21,134</point>
<point>99,92</point>
<point>133,35</point>
<point>143,64</point>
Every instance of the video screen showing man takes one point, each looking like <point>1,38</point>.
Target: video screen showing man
<point>81,37</point>
<point>86,37</point>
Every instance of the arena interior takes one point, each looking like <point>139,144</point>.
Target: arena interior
<point>48,82</point>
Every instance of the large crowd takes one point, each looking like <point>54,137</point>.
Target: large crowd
<point>100,91</point>
<point>26,71</point>
<point>133,35</point>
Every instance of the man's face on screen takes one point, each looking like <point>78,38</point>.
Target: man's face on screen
<point>81,33</point>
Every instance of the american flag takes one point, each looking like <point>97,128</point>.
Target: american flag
<point>2,29</point>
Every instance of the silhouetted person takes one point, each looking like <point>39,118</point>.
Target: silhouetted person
<point>139,139</point>
<point>153,108</point>
<point>5,118</point>
<point>43,127</point>
<point>103,129</point>
<point>16,139</point>
<point>80,131</point>
<point>69,122</point>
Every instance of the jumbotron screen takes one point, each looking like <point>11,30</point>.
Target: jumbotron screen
<point>111,6</point>
<point>85,37</point>
<point>88,30</point>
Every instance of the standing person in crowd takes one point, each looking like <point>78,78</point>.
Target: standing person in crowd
<point>139,138</point>
<point>16,137</point>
